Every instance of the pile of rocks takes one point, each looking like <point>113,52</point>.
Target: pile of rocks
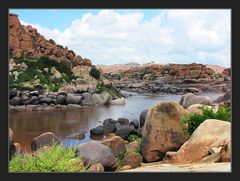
<point>26,40</point>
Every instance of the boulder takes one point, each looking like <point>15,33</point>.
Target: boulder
<point>13,93</point>
<point>56,74</point>
<point>116,143</point>
<point>211,133</point>
<point>47,100</point>
<point>97,131</point>
<point>45,139</point>
<point>225,152</point>
<point>162,131</point>
<point>96,168</point>
<point>73,99</point>
<point>119,101</point>
<point>190,99</point>
<point>133,160</point>
<point>15,149</point>
<point>123,121</point>
<point>16,101</point>
<point>70,89</point>
<point>87,99</point>
<point>32,100</point>
<point>109,126</point>
<point>125,131</point>
<point>61,99</point>
<point>142,117</point>
<point>97,99</point>
<point>94,152</point>
<point>134,123</point>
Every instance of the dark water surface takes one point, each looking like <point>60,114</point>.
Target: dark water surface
<point>26,126</point>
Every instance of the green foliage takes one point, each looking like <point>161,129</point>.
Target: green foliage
<point>132,137</point>
<point>194,120</point>
<point>32,73</point>
<point>94,72</point>
<point>54,159</point>
<point>113,91</point>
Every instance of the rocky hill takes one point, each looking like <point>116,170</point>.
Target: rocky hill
<point>26,40</point>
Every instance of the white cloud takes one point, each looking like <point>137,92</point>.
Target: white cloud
<point>177,36</point>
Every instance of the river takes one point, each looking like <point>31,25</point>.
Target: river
<point>27,126</point>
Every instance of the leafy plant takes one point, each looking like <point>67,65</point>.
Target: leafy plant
<point>54,159</point>
<point>94,72</point>
<point>194,120</point>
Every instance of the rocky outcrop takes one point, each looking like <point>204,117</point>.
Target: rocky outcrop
<point>211,133</point>
<point>162,131</point>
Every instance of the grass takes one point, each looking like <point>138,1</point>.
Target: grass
<point>55,159</point>
<point>32,73</point>
<point>194,120</point>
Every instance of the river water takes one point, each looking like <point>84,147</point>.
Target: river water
<point>27,126</point>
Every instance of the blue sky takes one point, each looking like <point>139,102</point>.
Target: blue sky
<point>120,36</point>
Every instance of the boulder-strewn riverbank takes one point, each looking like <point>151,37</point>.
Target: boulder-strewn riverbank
<point>157,136</point>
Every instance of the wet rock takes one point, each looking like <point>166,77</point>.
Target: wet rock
<point>134,123</point>
<point>13,93</point>
<point>125,131</point>
<point>109,126</point>
<point>119,101</point>
<point>142,117</point>
<point>61,99</point>
<point>73,107</point>
<point>97,131</point>
<point>46,100</point>
<point>123,121</point>
<point>33,100</point>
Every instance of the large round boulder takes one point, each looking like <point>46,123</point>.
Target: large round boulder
<point>211,133</point>
<point>162,131</point>
<point>142,117</point>
<point>94,152</point>
<point>190,99</point>
<point>45,139</point>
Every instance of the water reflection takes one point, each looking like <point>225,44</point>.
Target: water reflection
<point>26,126</point>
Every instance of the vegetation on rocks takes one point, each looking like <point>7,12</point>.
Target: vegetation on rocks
<point>113,91</point>
<point>54,159</point>
<point>193,120</point>
<point>35,71</point>
<point>94,72</point>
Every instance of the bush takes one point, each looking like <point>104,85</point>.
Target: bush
<point>55,159</point>
<point>194,120</point>
<point>94,72</point>
<point>113,91</point>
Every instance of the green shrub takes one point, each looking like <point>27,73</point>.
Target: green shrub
<point>132,137</point>
<point>194,120</point>
<point>94,72</point>
<point>55,159</point>
<point>113,91</point>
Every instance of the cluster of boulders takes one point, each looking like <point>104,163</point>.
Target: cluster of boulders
<point>25,40</point>
<point>68,98</point>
